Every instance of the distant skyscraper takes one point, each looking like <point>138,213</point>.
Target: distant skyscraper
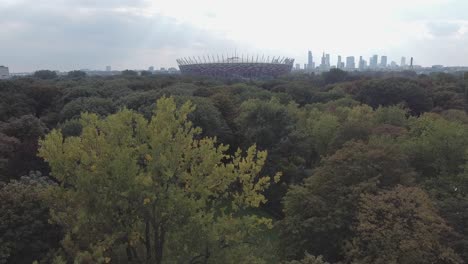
<point>411,63</point>
<point>383,61</point>
<point>323,62</point>
<point>298,66</point>
<point>4,72</point>
<point>373,61</point>
<point>361,63</point>
<point>108,68</point>
<point>350,63</point>
<point>338,64</point>
<point>310,62</point>
<point>310,59</point>
<point>403,62</point>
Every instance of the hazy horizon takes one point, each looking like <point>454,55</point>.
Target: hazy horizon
<point>76,34</point>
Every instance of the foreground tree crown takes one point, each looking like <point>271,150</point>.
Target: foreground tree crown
<point>151,191</point>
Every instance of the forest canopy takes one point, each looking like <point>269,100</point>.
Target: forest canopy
<point>332,168</point>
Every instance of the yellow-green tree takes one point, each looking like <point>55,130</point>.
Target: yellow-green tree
<point>154,191</point>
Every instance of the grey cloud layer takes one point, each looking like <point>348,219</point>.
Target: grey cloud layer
<point>83,33</point>
<point>73,34</point>
<point>442,29</point>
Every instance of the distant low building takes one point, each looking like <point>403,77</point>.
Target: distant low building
<point>4,72</point>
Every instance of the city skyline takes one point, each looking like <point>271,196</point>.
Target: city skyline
<point>332,60</point>
<point>326,63</point>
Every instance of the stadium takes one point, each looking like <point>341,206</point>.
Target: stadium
<point>251,67</point>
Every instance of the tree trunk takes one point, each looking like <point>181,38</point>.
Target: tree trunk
<point>135,254</point>
<point>207,255</point>
<point>129,254</point>
<point>148,241</point>
<point>159,237</point>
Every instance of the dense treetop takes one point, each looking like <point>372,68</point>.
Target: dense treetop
<point>174,169</point>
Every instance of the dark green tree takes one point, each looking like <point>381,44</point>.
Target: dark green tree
<point>129,73</point>
<point>100,106</point>
<point>19,139</point>
<point>334,76</point>
<point>436,147</point>
<point>393,91</point>
<point>146,73</point>
<point>265,123</point>
<point>25,233</point>
<point>76,74</point>
<point>319,214</point>
<point>45,74</point>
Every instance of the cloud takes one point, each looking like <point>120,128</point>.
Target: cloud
<point>85,34</point>
<point>437,10</point>
<point>443,29</point>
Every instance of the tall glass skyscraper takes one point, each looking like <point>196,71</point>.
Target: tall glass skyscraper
<point>383,61</point>
<point>373,61</point>
<point>310,61</point>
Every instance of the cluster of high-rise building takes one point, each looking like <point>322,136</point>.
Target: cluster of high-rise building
<point>350,64</point>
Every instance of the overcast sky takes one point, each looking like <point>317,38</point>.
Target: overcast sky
<point>136,34</point>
